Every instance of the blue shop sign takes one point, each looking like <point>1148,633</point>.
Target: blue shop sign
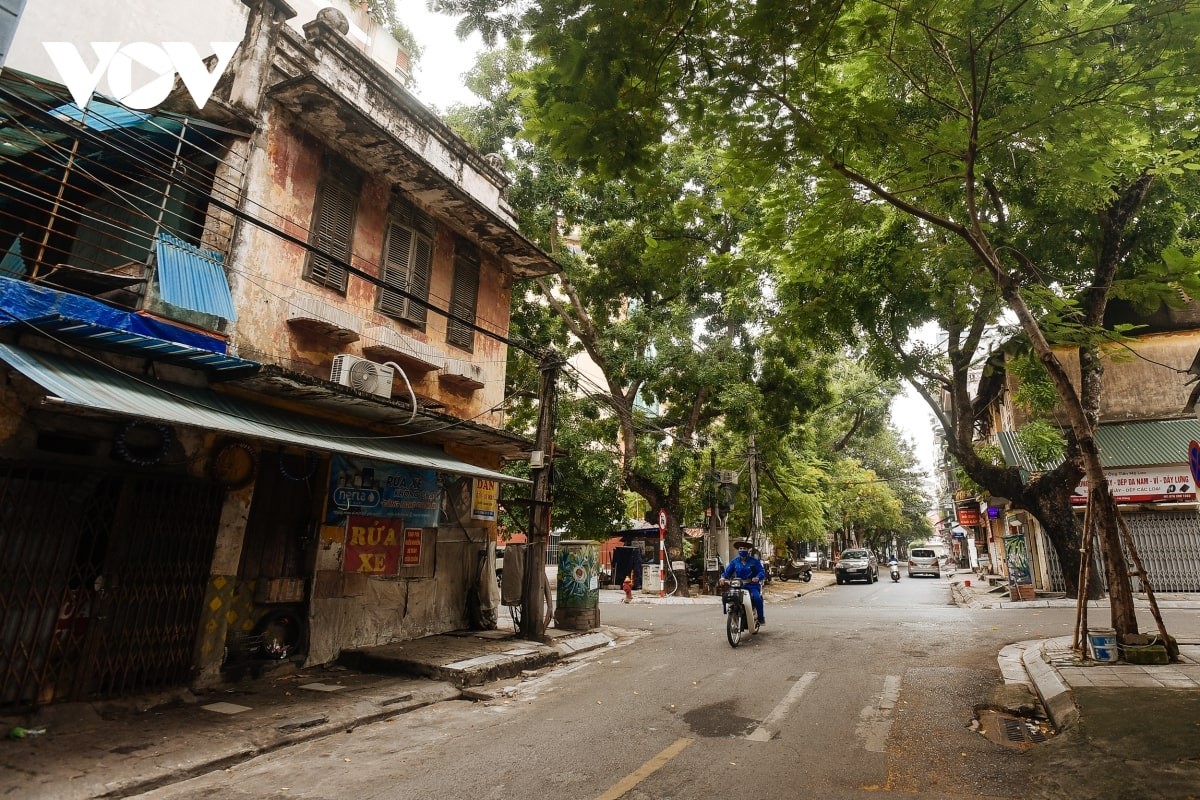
<point>379,489</point>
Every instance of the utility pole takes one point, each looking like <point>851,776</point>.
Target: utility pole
<point>532,610</point>
<point>710,541</point>
<point>755,510</point>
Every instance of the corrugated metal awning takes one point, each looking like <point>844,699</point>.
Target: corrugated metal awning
<point>1122,444</point>
<point>98,386</point>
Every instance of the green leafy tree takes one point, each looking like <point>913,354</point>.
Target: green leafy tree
<point>990,125</point>
<point>663,304</point>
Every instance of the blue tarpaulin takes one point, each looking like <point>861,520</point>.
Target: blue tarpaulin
<point>22,302</point>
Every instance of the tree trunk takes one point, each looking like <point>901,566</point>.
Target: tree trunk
<point>1120,596</point>
<point>1054,513</point>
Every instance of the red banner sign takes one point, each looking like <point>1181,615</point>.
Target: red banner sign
<point>412,548</point>
<point>968,516</point>
<point>373,545</point>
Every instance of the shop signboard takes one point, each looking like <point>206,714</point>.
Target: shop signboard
<point>1144,485</point>
<point>485,500</point>
<point>379,489</point>
<point>373,545</point>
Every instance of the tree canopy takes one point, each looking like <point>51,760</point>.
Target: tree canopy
<point>1009,146</point>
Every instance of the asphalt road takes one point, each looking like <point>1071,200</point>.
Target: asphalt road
<point>849,692</point>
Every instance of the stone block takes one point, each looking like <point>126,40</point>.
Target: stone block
<point>1150,654</point>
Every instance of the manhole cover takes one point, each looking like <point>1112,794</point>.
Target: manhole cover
<point>1010,730</point>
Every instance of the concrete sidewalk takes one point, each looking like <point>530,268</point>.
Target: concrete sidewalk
<point>119,748</point>
<point>1052,671</point>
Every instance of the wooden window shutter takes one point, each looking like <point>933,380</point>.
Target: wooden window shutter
<point>397,255</point>
<point>332,233</point>
<point>419,279</point>
<point>463,297</point>
<point>407,263</point>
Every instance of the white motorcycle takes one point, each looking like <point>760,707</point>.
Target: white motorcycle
<point>895,565</point>
<point>739,611</point>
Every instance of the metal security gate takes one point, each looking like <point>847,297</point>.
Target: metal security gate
<point>102,579</point>
<point>1169,545</point>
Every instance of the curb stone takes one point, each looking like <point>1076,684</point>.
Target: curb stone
<point>1052,690</point>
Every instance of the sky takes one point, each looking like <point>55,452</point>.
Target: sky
<point>445,59</point>
<point>439,82</point>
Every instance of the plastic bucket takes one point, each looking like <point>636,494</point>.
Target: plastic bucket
<point>1104,644</point>
<point>967,583</point>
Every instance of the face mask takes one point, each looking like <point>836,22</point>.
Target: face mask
<point>743,553</point>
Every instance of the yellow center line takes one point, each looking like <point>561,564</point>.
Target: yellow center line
<point>645,770</point>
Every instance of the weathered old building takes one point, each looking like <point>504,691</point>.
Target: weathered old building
<point>1143,436</point>
<point>253,358</point>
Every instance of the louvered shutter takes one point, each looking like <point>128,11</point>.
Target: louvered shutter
<point>462,301</point>
<point>332,233</point>
<point>397,255</point>
<point>419,279</point>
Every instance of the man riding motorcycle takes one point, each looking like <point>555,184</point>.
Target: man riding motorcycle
<point>751,571</point>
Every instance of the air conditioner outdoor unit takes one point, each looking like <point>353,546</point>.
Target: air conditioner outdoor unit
<point>363,375</point>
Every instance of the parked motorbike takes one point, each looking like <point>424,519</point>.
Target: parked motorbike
<point>785,568</point>
<point>738,610</point>
<point>895,572</point>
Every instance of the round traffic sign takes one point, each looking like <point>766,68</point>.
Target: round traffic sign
<point>662,519</point>
<point>1194,461</point>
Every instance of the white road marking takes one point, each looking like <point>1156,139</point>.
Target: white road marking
<point>875,721</point>
<point>769,726</point>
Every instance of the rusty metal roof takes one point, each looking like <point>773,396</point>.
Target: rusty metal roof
<point>296,387</point>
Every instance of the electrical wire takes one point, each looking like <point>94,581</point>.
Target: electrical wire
<point>244,215</point>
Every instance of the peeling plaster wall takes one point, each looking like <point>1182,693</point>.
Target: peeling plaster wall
<point>285,172</point>
<point>385,610</point>
<point>1142,379</point>
<point>373,88</point>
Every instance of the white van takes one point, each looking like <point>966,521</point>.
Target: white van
<point>928,559</point>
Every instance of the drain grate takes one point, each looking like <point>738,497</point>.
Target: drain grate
<point>1019,730</point>
<point>1010,730</point>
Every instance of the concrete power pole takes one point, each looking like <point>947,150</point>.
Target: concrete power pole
<point>755,509</point>
<point>532,610</point>
<point>710,539</point>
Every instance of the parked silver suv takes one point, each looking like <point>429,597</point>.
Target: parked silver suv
<point>857,563</point>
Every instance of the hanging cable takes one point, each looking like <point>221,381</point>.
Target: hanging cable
<point>411,394</point>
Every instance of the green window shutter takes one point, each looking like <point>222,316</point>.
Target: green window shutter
<point>332,233</point>
<point>463,297</point>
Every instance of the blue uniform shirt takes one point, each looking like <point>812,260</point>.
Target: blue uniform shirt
<point>746,569</point>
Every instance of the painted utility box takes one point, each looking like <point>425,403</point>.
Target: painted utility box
<point>578,602</point>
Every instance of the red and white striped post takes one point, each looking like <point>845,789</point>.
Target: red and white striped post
<point>662,551</point>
